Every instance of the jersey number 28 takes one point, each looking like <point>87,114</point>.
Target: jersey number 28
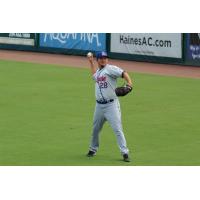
<point>103,85</point>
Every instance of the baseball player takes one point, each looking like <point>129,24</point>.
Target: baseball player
<point>107,103</point>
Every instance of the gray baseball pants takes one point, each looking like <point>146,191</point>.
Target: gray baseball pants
<point>108,112</point>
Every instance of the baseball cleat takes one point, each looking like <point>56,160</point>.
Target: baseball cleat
<point>126,158</point>
<point>91,153</point>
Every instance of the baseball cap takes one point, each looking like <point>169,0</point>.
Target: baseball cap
<point>101,55</point>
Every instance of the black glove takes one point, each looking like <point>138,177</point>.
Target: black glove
<point>122,91</point>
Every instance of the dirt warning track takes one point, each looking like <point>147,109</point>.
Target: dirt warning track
<point>81,62</point>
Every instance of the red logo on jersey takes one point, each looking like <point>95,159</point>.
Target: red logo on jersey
<point>101,78</point>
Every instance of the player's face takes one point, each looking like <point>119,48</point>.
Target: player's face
<point>102,61</point>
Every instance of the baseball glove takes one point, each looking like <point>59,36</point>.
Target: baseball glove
<point>122,91</point>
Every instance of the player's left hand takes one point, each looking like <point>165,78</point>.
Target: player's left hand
<point>124,90</point>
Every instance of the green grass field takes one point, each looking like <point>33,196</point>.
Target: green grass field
<point>46,116</point>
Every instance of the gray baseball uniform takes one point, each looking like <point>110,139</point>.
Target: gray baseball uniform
<point>107,106</point>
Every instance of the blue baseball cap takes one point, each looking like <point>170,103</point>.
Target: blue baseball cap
<point>101,55</point>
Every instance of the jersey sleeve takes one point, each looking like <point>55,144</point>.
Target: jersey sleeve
<point>115,71</point>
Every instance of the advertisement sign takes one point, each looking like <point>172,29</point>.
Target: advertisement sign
<point>18,38</point>
<point>79,41</point>
<point>149,44</point>
<point>193,46</point>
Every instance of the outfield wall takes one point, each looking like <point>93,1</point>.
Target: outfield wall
<point>170,48</point>
<point>192,50</point>
<point>149,47</point>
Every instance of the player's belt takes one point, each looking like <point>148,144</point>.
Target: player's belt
<point>105,102</point>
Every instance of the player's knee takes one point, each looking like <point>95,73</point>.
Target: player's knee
<point>118,132</point>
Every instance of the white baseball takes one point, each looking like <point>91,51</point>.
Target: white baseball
<point>89,54</point>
